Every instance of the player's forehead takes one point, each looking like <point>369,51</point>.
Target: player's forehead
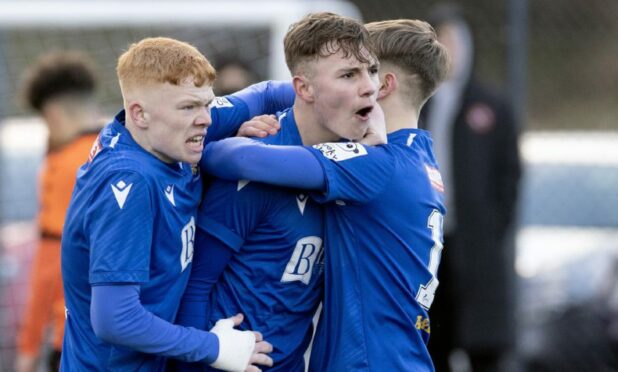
<point>186,90</point>
<point>348,50</point>
<point>342,60</point>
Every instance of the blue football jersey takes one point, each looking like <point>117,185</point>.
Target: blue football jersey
<point>132,219</point>
<point>383,246</point>
<point>275,276</point>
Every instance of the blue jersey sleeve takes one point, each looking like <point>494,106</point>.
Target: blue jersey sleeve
<point>119,318</point>
<point>243,158</point>
<point>209,260</point>
<point>230,112</point>
<point>353,172</point>
<point>346,171</point>
<point>120,220</point>
<point>267,97</point>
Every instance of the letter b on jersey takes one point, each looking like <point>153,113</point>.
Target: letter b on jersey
<point>300,266</point>
<point>188,239</point>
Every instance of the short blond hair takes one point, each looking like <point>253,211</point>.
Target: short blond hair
<point>412,46</point>
<point>160,60</point>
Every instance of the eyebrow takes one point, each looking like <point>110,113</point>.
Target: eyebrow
<point>348,69</point>
<point>198,102</point>
<point>358,69</point>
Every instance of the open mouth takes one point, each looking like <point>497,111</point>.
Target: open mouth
<point>364,112</point>
<point>195,140</point>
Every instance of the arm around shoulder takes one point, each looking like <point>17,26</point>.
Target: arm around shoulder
<point>242,158</point>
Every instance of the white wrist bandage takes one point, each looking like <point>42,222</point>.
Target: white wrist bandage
<point>235,347</point>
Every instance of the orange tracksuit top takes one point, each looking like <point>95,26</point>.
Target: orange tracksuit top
<point>45,304</point>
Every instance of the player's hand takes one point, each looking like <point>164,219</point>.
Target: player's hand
<point>376,133</point>
<point>235,347</point>
<point>259,126</point>
<point>240,350</point>
<point>260,354</point>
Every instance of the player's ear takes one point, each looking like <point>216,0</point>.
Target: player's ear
<point>135,111</point>
<point>303,88</point>
<point>388,84</point>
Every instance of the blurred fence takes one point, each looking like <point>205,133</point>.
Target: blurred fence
<point>22,46</point>
<point>572,51</point>
<point>571,45</point>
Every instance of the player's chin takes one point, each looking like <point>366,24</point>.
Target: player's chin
<point>359,132</point>
<point>193,152</point>
<point>192,157</point>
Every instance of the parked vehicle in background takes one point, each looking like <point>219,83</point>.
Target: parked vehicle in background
<point>567,252</point>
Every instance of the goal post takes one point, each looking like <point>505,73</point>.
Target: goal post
<point>247,30</point>
<point>272,14</point>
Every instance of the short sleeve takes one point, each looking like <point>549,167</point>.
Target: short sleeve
<point>119,223</point>
<point>353,172</point>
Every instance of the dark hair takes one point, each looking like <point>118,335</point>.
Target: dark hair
<point>322,34</point>
<point>59,73</point>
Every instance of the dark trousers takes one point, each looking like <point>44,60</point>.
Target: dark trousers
<point>443,316</point>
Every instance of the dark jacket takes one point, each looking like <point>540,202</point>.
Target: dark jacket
<point>480,257</point>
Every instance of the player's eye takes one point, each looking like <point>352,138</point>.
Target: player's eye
<point>373,70</point>
<point>188,107</point>
<point>347,75</point>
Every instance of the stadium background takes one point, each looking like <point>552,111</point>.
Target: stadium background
<point>555,59</point>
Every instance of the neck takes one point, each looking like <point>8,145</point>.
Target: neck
<point>66,129</point>
<point>399,115</point>
<point>311,130</point>
<point>136,133</point>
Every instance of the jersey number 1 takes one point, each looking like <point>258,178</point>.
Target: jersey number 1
<point>427,292</point>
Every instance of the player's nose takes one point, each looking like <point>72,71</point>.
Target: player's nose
<point>369,85</point>
<point>204,117</point>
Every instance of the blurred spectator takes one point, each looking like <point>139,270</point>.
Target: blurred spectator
<point>475,139</point>
<point>60,87</point>
<point>232,76</point>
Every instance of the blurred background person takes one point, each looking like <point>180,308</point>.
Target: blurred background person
<point>475,139</point>
<point>232,76</point>
<point>61,88</point>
